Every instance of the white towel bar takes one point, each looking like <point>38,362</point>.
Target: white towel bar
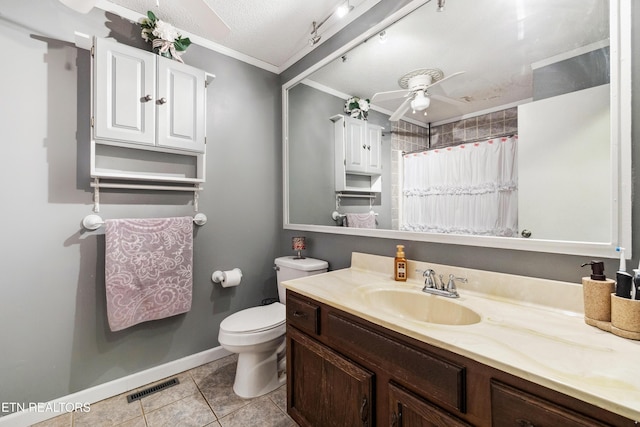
<point>335,215</point>
<point>93,222</point>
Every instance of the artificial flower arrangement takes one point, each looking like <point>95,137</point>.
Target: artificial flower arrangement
<point>357,108</point>
<point>164,37</point>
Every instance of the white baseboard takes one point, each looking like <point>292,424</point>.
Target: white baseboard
<point>113,388</point>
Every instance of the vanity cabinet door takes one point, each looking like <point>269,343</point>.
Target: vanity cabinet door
<point>513,407</point>
<point>323,387</point>
<point>408,410</point>
<point>181,106</point>
<point>124,93</point>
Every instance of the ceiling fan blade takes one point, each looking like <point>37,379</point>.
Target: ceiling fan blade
<point>180,14</point>
<point>82,6</point>
<point>216,28</point>
<point>445,79</point>
<point>393,94</point>
<point>403,108</point>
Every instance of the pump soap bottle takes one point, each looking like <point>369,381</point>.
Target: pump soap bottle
<point>597,290</point>
<point>400,265</point>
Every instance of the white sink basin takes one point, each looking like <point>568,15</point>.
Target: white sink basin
<point>416,305</point>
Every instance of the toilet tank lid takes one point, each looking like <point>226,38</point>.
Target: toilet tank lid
<point>303,264</point>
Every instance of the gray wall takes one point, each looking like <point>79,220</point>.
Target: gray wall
<point>337,249</point>
<point>312,160</point>
<point>54,337</point>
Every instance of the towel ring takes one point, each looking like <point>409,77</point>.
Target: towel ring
<point>92,222</point>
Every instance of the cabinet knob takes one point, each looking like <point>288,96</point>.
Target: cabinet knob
<point>524,423</point>
<point>147,98</point>
<point>364,146</point>
<point>368,147</point>
<point>162,101</point>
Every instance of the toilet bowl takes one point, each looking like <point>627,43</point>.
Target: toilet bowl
<point>257,334</point>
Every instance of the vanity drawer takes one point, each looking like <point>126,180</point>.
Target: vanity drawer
<point>303,314</point>
<point>513,407</point>
<point>440,379</point>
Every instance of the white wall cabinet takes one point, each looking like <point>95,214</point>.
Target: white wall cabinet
<point>144,101</point>
<point>358,155</point>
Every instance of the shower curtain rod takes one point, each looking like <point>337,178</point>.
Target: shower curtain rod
<point>502,135</point>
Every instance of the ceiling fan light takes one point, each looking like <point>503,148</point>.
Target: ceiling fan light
<point>420,102</point>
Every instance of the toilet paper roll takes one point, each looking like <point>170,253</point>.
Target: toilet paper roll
<point>228,278</point>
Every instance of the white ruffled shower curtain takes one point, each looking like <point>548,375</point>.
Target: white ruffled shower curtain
<point>465,189</point>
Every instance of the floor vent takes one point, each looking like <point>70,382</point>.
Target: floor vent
<point>153,389</point>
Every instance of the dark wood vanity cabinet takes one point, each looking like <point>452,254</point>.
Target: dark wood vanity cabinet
<point>345,371</point>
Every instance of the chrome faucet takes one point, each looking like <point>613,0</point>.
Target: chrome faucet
<point>431,285</point>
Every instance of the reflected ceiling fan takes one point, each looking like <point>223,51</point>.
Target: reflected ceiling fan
<point>415,85</point>
<point>216,28</point>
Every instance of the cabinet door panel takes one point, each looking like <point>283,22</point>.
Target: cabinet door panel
<point>510,406</point>
<point>407,409</point>
<point>181,106</point>
<point>324,388</point>
<point>374,148</point>
<point>355,146</point>
<point>124,76</point>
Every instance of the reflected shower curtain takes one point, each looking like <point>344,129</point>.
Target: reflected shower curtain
<point>466,189</point>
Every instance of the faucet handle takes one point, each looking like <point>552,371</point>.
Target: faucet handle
<point>451,286</point>
<point>430,278</point>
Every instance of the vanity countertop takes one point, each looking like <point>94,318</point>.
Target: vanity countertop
<point>531,328</point>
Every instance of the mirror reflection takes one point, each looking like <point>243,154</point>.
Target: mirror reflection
<point>464,125</point>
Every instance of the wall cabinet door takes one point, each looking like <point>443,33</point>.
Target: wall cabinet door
<point>355,146</point>
<point>124,90</point>
<point>142,98</point>
<point>362,143</point>
<point>374,149</point>
<point>326,389</point>
<point>180,106</point>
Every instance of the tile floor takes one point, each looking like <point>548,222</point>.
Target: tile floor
<point>204,397</point>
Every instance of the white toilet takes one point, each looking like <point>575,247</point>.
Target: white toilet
<point>257,334</point>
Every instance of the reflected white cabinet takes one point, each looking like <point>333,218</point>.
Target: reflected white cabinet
<point>362,145</point>
<point>142,98</point>
<point>358,155</point>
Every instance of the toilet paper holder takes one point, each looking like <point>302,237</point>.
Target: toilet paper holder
<point>227,278</point>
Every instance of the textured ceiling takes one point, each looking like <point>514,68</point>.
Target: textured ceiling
<point>271,31</point>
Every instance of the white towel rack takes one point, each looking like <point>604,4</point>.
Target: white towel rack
<point>92,222</point>
<point>335,215</point>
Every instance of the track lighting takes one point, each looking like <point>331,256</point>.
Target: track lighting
<point>343,9</point>
<point>340,12</point>
<point>440,5</point>
<point>315,38</point>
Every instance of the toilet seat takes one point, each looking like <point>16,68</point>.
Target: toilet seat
<point>253,326</point>
<point>255,319</point>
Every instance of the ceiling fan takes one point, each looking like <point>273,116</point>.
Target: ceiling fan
<point>415,85</point>
<point>216,27</point>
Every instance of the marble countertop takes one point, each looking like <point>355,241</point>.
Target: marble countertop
<point>531,328</point>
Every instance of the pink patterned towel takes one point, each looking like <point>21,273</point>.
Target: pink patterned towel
<point>365,220</point>
<point>147,269</point>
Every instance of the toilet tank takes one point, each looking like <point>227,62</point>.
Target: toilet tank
<point>290,267</point>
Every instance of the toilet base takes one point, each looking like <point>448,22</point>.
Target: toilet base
<point>259,373</point>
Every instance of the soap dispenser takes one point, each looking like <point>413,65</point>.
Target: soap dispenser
<point>400,265</point>
<point>597,290</point>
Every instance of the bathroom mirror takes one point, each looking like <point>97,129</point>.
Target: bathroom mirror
<point>531,57</point>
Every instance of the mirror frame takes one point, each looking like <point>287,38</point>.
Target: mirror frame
<point>620,202</point>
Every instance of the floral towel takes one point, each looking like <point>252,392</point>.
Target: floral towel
<point>147,269</point>
<point>365,220</point>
